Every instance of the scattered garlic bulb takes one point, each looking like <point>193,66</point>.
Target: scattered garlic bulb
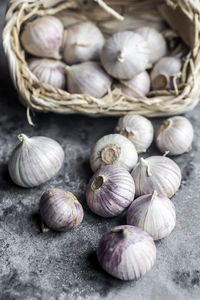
<point>60,210</point>
<point>113,149</point>
<point>83,42</point>
<point>49,71</point>
<point>110,191</point>
<point>137,129</point>
<point>88,78</point>
<point>158,173</point>
<point>125,55</point>
<point>163,73</point>
<point>126,252</point>
<point>153,213</point>
<point>155,41</point>
<point>43,37</point>
<point>136,87</point>
<point>35,160</point>
<point>175,135</point>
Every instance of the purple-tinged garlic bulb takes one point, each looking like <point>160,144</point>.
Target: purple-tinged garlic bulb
<point>43,37</point>
<point>49,71</point>
<point>113,149</point>
<point>154,214</point>
<point>158,173</point>
<point>175,135</point>
<point>125,55</point>
<point>126,252</point>
<point>136,87</point>
<point>163,72</point>
<point>83,42</point>
<point>110,191</point>
<point>60,210</point>
<point>137,129</point>
<point>155,41</point>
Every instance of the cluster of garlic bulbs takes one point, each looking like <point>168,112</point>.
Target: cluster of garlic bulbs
<point>72,54</point>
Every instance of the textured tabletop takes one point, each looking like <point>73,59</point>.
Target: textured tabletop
<point>63,266</point>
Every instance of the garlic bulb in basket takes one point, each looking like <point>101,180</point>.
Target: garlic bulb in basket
<point>83,42</point>
<point>88,78</point>
<point>153,213</point>
<point>113,149</point>
<point>49,71</point>
<point>43,37</point>
<point>175,135</point>
<point>137,129</point>
<point>125,55</point>
<point>155,41</point>
<point>35,160</point>
<point>163,73</point>
<point>158,173</point>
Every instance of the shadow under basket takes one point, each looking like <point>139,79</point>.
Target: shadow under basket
<point>110,15</point>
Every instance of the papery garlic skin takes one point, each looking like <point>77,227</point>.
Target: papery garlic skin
<point>88,78</point>
<point>175,135</point>
<point>126,252</point>
<point>125,55</point>
<point>158,173</point>
<point>137,129</point>
<point>113,149</point>
<point>35,160</point>
<point>83,42</point>
<point>154,214</point>
<point>43,37</point>
<point>155,41</point>
<point>136,87</point>
<point>60,210</point>
<point>49,71</point>
<point>110,191</point>
<point>163,73</point>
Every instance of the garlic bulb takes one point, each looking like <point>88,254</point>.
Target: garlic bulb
<point>163,73</point>
<point>35,160</point>
<point>88,78</point>
<point>175,135</point>
<point>125,55</point>
<point>49,71</point>
<point>126,252</point>
<point>113,149</point>
<point>136,87</point>
<point>83,42</point>
<point>155,41</point>
<point>137,129</point>
<point>60,210</point>
<point>43,37</point>
<point>153,213</point>
<point>110,191</point>
<point>158,173</point>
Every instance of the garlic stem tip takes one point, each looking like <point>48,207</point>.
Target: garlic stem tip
<point>121,57</point>
<point>23,137</point>
<point>44,228</point>
<point>154,195</point>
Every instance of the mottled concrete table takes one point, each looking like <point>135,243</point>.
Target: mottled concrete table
<point>64,266</point>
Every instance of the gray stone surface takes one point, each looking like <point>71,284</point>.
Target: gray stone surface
<point>63,266</point>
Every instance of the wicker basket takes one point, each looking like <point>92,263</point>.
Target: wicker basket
<point>181,15</point>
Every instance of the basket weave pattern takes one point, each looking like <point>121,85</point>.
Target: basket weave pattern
<point>43,97</point>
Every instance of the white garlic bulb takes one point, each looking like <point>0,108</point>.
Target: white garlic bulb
<point>43,37</point>
<point>88,78</point>
<point>136,87</point>
<point>83,42</point>
<point>175,135</point>
<point>49,71</point>
<point>163,73</point>
<point>137,129</point>
<point>155,41</point>
<point>125,55</point>
<point>153,213</point>
<point>113,149</point>
<point>35,160</point>
<point>158,173</point>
